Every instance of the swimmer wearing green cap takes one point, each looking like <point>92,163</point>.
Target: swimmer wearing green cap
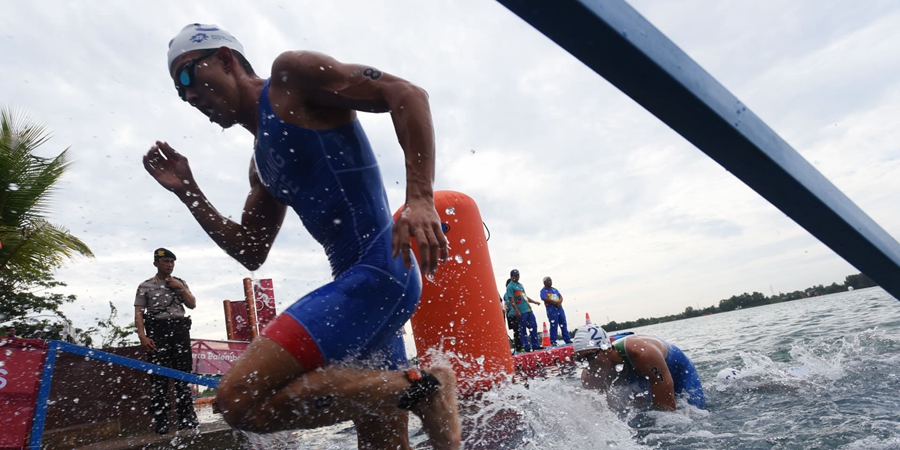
<point>648,369</point>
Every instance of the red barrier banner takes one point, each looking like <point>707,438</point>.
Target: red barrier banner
<point>264,294</point>
<point>21,363</point>
<point>240,321</point>
<point>215,357</point>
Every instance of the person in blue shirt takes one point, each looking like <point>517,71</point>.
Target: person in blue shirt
<point>515,292</point>
<point>555,314</point>
<point>336,354</point>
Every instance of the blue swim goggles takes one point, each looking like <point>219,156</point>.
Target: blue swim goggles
<point>189,71</point>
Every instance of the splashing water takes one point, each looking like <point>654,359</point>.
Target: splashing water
<point>815,373</point>
<point>543,414</point>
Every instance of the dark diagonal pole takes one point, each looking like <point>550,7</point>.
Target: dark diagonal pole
<point>611,38</point>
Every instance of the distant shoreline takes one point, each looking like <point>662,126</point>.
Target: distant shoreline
<point>745,300</point>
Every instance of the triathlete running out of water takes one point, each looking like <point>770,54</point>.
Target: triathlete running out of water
<point>333,355</point>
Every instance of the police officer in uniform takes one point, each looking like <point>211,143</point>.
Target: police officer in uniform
<point>164,332</point>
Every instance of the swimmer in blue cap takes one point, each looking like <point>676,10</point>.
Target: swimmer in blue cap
<point>336,354</point>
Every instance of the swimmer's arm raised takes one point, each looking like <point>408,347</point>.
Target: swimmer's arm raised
<point>247,242</point>
<point>649,362</point>
<point>326,82</point>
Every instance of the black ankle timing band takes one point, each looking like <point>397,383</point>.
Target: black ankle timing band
<point>422,384</point>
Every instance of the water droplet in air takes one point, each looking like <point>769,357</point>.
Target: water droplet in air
<point>458,259</point>
<point>620,367</point>
<point>451,211</point>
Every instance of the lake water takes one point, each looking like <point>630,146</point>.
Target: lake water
<point>818,373</point>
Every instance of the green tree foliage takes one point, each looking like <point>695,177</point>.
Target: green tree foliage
<point>745,300</point>
<point>32,247</point>
<point>109,331</point>
<point>859,281</point>
<point>35,308</point>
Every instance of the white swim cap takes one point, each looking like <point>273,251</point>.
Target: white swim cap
<point>729,374</point>
<point>198,36</point>
<point>590,337</point>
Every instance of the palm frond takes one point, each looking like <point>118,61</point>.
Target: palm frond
<point>30,244</point>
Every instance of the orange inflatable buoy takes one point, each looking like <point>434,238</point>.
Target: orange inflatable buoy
<point>459,317</point>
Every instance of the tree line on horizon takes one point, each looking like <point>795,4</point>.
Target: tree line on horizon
<point>745,300</point>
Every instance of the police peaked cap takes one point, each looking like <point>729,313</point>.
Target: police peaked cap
<point>162,253</point>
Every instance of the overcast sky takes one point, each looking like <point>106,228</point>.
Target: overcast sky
<point>573,179</point>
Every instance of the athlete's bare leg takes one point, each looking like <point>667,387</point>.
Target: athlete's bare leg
<point>386,430</point>
<point>438,412</point>
<point>267,390</point>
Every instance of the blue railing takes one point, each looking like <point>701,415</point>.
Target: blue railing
<point>617,43</point>
<point>54,347</point>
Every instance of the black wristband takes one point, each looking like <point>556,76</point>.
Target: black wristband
<point>422,384</point>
